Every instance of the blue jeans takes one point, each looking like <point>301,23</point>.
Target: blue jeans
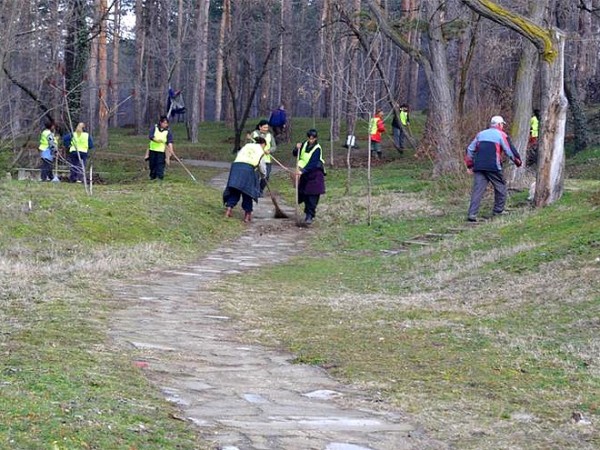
<point>398,138</point>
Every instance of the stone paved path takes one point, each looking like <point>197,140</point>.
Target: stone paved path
<point>244,397</point>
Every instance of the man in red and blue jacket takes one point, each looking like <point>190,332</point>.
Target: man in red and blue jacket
<point>484,160</point>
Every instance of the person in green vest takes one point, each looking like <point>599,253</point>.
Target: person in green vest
<point>78,144</point>
<point>262,130</point>
<point>399,123</point>
<point>160,148</point>
<point>311,170</point>
<point>47,148</point>
<point>244,178</point>
<point>534,133</point>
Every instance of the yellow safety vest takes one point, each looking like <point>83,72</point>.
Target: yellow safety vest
<point>250,154</point>
<point>269,138</point>
<point>373,125</point>
<point>161,136</point>
<point>535,126</point>
<point>305,156</point>
<point>404,118</point>
<point>80,143</point>
<point>44,144</point>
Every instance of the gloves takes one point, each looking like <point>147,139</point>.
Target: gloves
<point>518,162</point>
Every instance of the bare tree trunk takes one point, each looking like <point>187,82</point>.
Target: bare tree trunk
<point>523,102</point>
<point>204,58</point>
<point>102,78</point>
<point>265,87</point>
<point>197,103</point>
<point>587,55</point>
<point>568,17</point>
<point>443,129</point>
<point>443,110</point>
<point>92,121</point>
<point>176,78</point>
<point>140,58</point>
<point>244,102</point>
<point>287,77</point>
<point>550,43</point>
<point>352,96</point>
<point>325,66</point>
<point>224,28</point>
<point>551,155</point>
<point>114,117</point>
<point>414,38</point>
<point>465,64</point>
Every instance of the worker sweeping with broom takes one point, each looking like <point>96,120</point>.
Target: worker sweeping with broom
<point>311,170</point>
<point>244,179</point>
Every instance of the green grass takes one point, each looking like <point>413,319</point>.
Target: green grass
<point>475,332</point>
<point>467,334</point>
<point>62,384</point>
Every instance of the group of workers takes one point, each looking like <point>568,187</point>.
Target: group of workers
<point>251,170</point>
<point>77,144</point>
<point>400,124</point>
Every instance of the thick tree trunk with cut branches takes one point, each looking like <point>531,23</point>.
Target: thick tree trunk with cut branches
<point>443,131</point>
<point>551,153</point>
<point>550,44</point>
<point>523,106</point>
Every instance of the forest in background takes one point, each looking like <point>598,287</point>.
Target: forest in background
<point>111,63</point>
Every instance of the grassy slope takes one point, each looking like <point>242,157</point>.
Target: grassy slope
<point>62,384</point>
<point>489,337</point>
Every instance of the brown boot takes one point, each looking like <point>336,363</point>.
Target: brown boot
<point>228,211</point>
<point>248,217</point>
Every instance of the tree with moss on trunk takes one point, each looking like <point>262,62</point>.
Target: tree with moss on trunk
<point>550,43</point>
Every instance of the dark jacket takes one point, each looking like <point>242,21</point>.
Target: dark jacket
<point>312,180</point>
<point>245,178</point>
<point>484,153</point>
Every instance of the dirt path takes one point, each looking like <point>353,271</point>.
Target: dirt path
<point>244,397</point>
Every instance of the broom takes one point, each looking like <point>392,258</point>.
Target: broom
<point>279,214</point>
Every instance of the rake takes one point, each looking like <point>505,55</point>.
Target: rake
<point>186,169</point>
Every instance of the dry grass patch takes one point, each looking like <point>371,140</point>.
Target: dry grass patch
<point>389,205</point>
<point>483,358</point>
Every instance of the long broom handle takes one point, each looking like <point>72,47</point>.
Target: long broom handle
<point>281,165</point>
<point>297,182</point>
<point>186,169</point>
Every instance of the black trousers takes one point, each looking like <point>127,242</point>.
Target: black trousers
<point>310,204</point>
<point>46,170</point>
<point>157,162</point>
